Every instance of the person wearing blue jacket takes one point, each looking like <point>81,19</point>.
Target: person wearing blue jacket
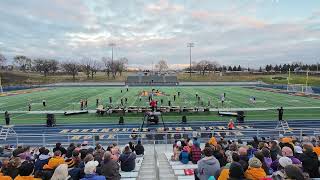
<point>184,155</point>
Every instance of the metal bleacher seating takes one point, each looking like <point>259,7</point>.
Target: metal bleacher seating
<point>144,80</point>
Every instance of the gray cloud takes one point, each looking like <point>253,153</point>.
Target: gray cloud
<point>147,31</point>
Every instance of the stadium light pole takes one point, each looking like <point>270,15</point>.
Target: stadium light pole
<point>190,45</point>
<point>112,45</point>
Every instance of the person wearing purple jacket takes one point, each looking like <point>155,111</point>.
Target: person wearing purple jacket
<point>286,152</point>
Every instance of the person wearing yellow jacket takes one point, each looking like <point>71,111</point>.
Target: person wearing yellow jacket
<point>255,170</point>
<point>55,161</point>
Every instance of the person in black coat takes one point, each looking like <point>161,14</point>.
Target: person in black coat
<point>139,148</point>
<point>310,162</point>
<point>60,148</point>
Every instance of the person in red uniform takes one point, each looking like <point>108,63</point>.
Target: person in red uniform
<point>231,125</point>
<point>153,105</point>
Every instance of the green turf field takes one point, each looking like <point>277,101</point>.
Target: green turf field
<point>68,98</point>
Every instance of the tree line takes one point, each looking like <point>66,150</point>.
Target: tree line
<point>297,66</point>
<point>71,67</point>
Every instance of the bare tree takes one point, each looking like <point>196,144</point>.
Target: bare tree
<point>213,66</point>
<point>203,66</point>
<point>121,65</point>
<point>108,65</point>
<point>45,66</point>
<point>162,65</point>
<point>2,59</point>
<point>71,68</point>
<point>95,67</point>
<point>86,66</point>
<point>23,62</point>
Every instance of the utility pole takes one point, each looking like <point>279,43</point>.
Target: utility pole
<point>190,45</point>
<point>112,68</point>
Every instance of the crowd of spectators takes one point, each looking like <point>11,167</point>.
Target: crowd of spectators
<point>265,158</point>
<point>72,163</point>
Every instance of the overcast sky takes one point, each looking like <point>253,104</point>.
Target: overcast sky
<point>246,32</point>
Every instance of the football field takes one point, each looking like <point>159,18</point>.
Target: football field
<point>61,99</point>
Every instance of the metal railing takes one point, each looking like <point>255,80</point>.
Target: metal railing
<point>164,137</point>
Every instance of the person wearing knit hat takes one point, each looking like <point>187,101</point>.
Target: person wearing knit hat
<point>236,171</point>
<point>213,141</point>
<point>255,171</point>
<point>285,161</point>
<point>61,173</point>
<point>90,171</point>
<point>286,152</point>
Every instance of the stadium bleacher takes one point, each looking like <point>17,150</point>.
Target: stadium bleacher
<point>143,80</point>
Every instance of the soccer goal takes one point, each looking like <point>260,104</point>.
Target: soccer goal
<point>299,88</point>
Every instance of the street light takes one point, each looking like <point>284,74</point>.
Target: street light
<point>190,45</point>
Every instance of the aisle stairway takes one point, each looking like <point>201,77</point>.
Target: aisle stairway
<point>147,170</point>
<point>165,170</point>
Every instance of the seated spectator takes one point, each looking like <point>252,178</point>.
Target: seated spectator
<point>89,157</point>
<point>12,168</point>
<point>90,171</point>
<point>195,152</point>
<point>310,162</point>
<point>127,159</point>
<point>267,157</point>
<point>207,166</point>
<point>55,161</point>
<point>260,156</point>
<point>213,141</point>
<point>184,155</point>
<point>109,167</point>
<point>317,149</point>
<point>189,146</point>
<point>27,154</point>
<point>255,171</point>
<point>42,160</point>
<point>132,147</point>
<point>70,149</point>
<point>219,154</point>
<point>275,150</point>
<point>115,151</point>
<point>3,166</point>
<point>279,174</point>
<point>61,173</point>
<point>25,171</point>
<point>232,149</point>
<point>139,148</point>
<point>4,152</point>
<point>236,171</point>
<point>224,171</point>
<point>286,152</point>
<point>60,148</point>
<point>73,170</point>
<point>298,152</point>
<point>293,172</point>
<point>176,151</point>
